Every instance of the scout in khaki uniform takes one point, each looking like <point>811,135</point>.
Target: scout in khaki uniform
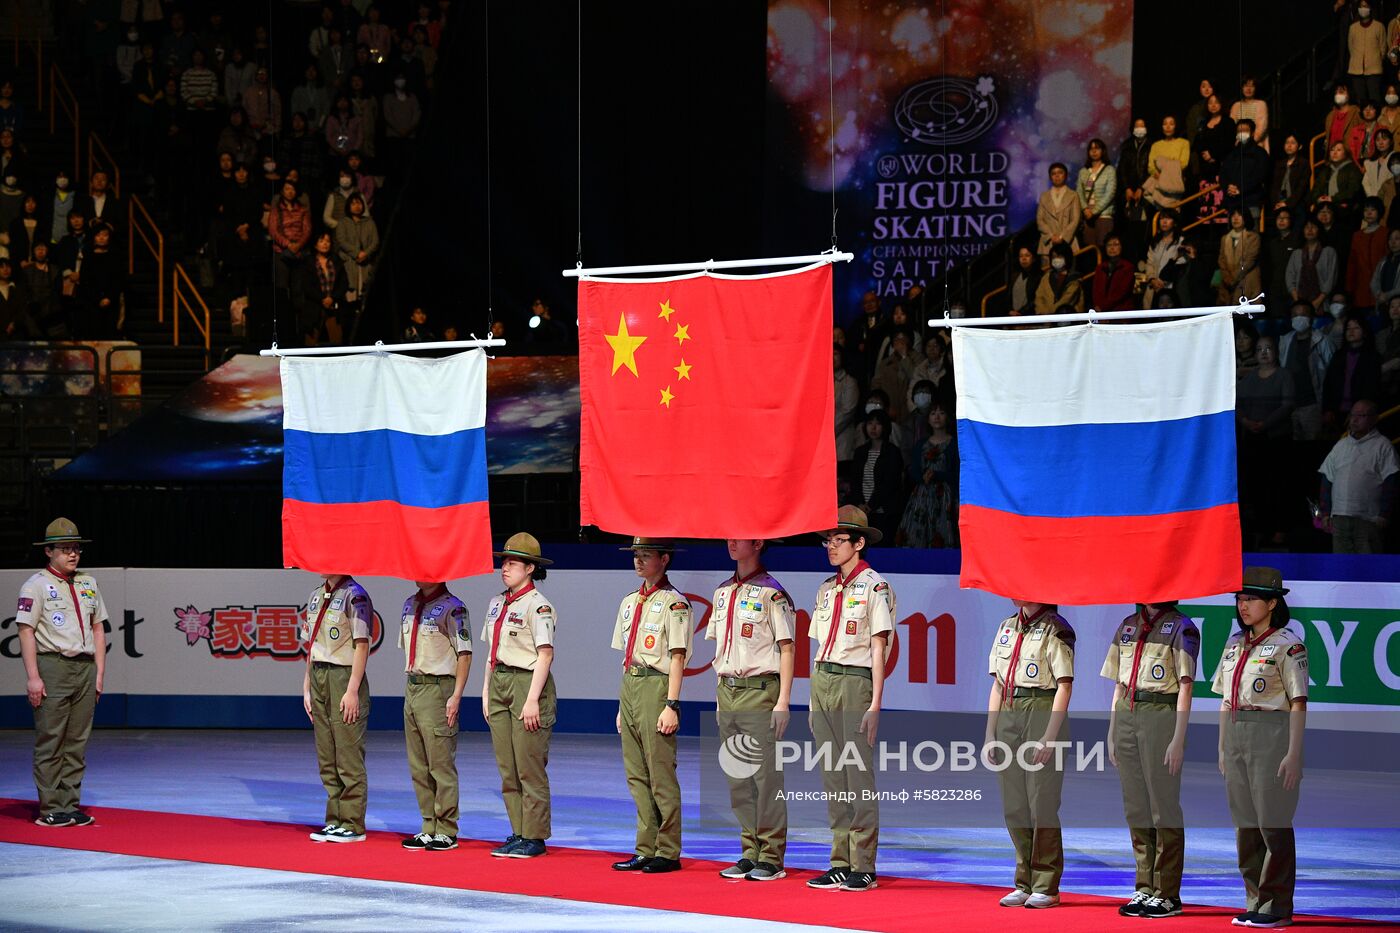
<point>1152,660</point>
<point>852,629</point>
<point>752,627</point>
<point>653,631</point>
<point>435,634</point>
<point>64,647</point>
<point>517,696</point>
<point>338,626</point>
<point>1263,680</point>
<point>1032,668</point>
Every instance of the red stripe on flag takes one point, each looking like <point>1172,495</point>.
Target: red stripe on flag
<point>387,539</point>
<point>1135,558</point>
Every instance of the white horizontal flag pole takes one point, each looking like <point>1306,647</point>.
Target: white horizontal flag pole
<point>1093,316</point>
<point>829,256</point>
<point>382,347</point>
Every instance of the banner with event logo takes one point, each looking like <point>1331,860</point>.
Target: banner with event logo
<point>232,633</point>
<point>945,128</point>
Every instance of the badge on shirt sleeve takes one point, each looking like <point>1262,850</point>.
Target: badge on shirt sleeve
<point>1004,639</point>
<point>1127,634</point>
<point>544,610</point>
<point>1158,672</point>
<point>1167,627</point>
<point>1295,650</point>
<point>26,604</point>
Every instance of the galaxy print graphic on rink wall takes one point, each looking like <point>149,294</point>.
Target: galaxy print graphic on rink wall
<point>934,158</point>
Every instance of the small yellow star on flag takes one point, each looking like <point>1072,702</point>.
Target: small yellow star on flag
<point>666,310</point>
<point>666,396</point>
<point>624,347</point>
<point>683,370</point>
<point>682,333</point>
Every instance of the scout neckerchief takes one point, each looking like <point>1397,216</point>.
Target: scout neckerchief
<point>729,618</point>
<point>1246,646</point>
<point>419,601</point>
<point>643,594</point>
<point>325,604</point>
<point>833,631</point>
<point>1148,621</point>
<point>501,618</point>
<point>1008,686</point>
<point>77,606</point>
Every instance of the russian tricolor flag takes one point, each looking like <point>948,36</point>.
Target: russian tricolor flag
<point>1098,461</point>
<point>384,470</point>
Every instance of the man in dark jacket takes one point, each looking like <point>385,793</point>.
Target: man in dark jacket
<point>1244,171</point>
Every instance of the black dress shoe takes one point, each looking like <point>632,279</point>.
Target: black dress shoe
<point>635,863</point>
<point>659,865</point>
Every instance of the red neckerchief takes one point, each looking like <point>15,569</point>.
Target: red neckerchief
<point>419,601</point>
<point>1246,647</point>
<point>833,631</point>
<point>77,606</point>
<point>643,594</point>
<point>1147,624</point>
<point>729,618</point>
<point>1008,687</point>
<point>501,618</point>
<point>325,604</point>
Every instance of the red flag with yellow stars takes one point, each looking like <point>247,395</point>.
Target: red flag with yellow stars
<point>708,405</point>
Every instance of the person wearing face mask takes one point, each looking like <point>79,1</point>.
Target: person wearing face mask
<point>847,404</point>
<point>931,517</point>
<point>1368,249</point>
<point>1366,49</point>
<point>1375,171</point>
<point>1240,276</point>
<point>409,66</point>
<point>1290,185</point>
<point>1305,353</point>
<point>334,210</point>
<point>1249,107</point>
<point>1059,291</point>
<point>1058,215</point>
<point>127,55</point>
<point>1390,112</point>
<point>1244,171</point>
<point>1342,117</point>
<point>935,368</point>
<point>1132,174</point>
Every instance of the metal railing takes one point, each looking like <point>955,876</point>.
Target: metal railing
<point>1091,248</point>
<point>180,302</point>
<point>61,97</point>
<point>1314,159</point>
<point>154,241</point>
<point>1187,200</point>
<point>96,149</point>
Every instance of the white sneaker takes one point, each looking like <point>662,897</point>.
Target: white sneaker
<point>341,834</point>
<point>320,834</point>
<point>1016,898</point>
<point>1043,900</point>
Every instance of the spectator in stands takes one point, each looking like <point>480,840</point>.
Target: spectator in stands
<point>375,35</point>
<point>1390,113</point>
<point>1385,278</point>
<point>1167,161</point>
<point>261,52</point>
<point>11,113</point>
<point>1246,345</point>
<point>216,40</point>
<point>847,402</point>
<point>303,150</point>
<point>439,25</point>
<point>310,98</point>
<point>16,322</point>
<point>1057,216</point>
<point>1338,181</point>
<point>1361,138</point>
<point>870,333</point>
<point>899,321</point>
<point>1353,373</point>
<point>1279,247</point>
<point>1334,235</point>
<point>40,280</point>
<point>548,335</point>
<point>147,88</point>
<point>237,139</point>
<point>1251,108</point>
<point>127,55</point>
<point>241,212</point>
<point>368,71</point>
<point>1215,138</point>
<point>1305,352</point>
<point>877,399</point>
<point>1159,266</point>
<point>11,203</point>
<point>320,36</point>
<point>60,207</point>
<point>893,372</point>
<point>1264,402</point>
<point>1244,171</point>
<point>1368,248</point>
<point>199,85</point>
<point>934,368</point>
<point>175,150</point>
<point>289,227</point>
<point>99,203</point>
<point>1113,279</point>
<point>1388,346</point>
<point>1025,281</point>
<point>263,106</point>
<point>343,130</point>
<point>931,517</point>
<point>1312,269</point>
<point>12,155</point>
<point>1197,113</point>
<point>423,20</point>
<point>417,330</point>
<point>178,46</point>
<point>877,475</point>
<point>1192,276</point>
<point>68,251</point>
<point>366,107</point>
<point>347,16</point>
<point>1240,248</point>
<point>1059,291</point>
<point>402,115</point>
<point>238,76</point>
<point>1357,496</point>
<point>1097,188</point>
<point>333,211</point>
<point>1375,171</point>
<point>320,297</point>
<point>1342,117</point>
<point>364,182</point>
<point>27,229</point>
<point>1132,174</point>
<point>335,61</point>
<point>357,244</point>
<point>427,55</point>
<point>100,297</point>
<point>1366,48</point>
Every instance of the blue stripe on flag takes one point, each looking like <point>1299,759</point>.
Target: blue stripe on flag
<point>428,471</point>
<point>1068,471</point>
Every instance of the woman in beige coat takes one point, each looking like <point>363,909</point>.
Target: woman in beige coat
<point>1058,214</point>
<point>1240,276</point>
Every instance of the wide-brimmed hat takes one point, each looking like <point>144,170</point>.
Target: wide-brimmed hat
<point>664,545</point>
<point>1262,581</point>
<point>852,520</point>
<point>524,546</point>
<point>61,531</point>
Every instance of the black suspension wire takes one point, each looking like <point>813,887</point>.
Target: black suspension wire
<point>271,256</point>
<point>831,111</point>
<point>943,23</point>
<point>578,166</point>
<point>490,313</point>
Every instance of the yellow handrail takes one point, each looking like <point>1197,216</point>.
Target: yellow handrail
<point>181,303</point>
<point>156,247</point>
<point>1187,200</point>
<point>988,297</point>
<point>1098,257</point>
<point>69,103</point>
<point>1314,162</point>
<point>1206,219</point>
<point>107,163</point>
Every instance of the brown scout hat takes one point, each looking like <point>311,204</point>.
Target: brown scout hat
<point>1265,582</point>
<point>61,531</point>
<point>524,546</point>
<point>851,519</point>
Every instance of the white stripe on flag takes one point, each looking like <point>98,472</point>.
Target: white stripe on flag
<point>379,391</point>
<point>1096,373</point>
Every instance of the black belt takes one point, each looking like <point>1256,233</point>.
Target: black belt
<point>1032,692</point>
<point>67,657</point>
<point>510,669</point>
<point>759,682</point>
<point>645,670</point>
<point>430,678</point>
<point>831,667</point>
<point>322,665</point>
<point>1150,696</point>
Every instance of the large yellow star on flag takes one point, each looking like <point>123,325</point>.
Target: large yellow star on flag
<point>683,370</point>
<point>666,396</point>
<point>666,310</point>
<point>624,347</point>
<point>682,333</point>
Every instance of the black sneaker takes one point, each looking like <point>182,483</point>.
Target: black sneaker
<point>441,842</point>
<point>829,880</point>
<point>343,834</point>
<point>660,866</point>
<point>766,871</point>
<point>81,819</point>
<point>1157,907</point>
<point>860,881</point>
<point>739,870</point>
<point>501,850</point>
<point>55,820</point>
<point>1134,906</point>
<point>320,834</point>
<point>1268,921</point>
<point>1242,920</point>
<point>527,848</point>
<point>417,843</point>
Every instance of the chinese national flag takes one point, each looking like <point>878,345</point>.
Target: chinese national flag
<point>708,405</point>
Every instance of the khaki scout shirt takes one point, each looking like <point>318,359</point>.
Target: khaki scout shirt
<point>443,632</point>
<point>61,612</point>
<point>849,614</point>
<point>527,626</point>
<point>1153,651</point>
<point>1042,650</point>
<point>749,618</point>
<point>345,614</point>
<point>653,623</point>
<point>1275,671</point>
